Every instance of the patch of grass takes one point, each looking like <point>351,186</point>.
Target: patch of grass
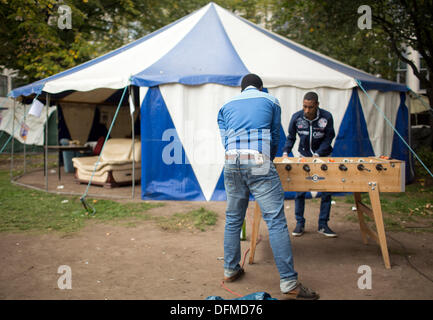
<point>30,210</point>
<point>111,210</point>
<point>199,219</point>
<point>33,161</point>
<point>426,155</point>
<point>351,218</point>
<point>405,211</point>
<point>39,212</point>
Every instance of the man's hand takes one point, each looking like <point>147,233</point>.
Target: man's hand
<point>285,155</point>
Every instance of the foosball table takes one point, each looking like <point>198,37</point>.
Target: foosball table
<point>333,174</point>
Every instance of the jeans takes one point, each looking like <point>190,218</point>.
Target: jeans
<point>325,208</point>
<point>240,178</point>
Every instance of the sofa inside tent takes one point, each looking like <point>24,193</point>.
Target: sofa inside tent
<point>114,167</point>
<point>182,74</point>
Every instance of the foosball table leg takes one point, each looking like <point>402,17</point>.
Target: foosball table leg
<point>374,213</point>
<point>378,219</point>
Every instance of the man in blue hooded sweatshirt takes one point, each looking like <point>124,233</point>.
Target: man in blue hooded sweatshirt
<point>250,131</point>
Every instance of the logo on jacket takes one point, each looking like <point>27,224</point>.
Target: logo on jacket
<point>318,135</point>
<point>322,122</point>
<point>302,124</point>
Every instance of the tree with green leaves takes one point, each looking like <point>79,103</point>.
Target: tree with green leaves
<point>331,27</point>
<point>32,42</point>
<point>408,24</point>
<point>326,27</point>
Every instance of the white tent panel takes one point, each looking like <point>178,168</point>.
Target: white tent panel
<point>291,98</point>
<point>380,132</point>
<point>78,119</point>
<point>274,62</point>
<point>122,66</point>
<point>194,111</point>
<point>35,125</point>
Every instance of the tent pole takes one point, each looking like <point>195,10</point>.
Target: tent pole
<point>57,140</point>
<point>13,140</point>
<point>25,113</point>
<point>47,104</point>
<point>132,98</point>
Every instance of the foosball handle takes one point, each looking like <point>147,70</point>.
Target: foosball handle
<point>342,167</point>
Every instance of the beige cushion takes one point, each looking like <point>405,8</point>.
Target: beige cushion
<point>117,155</point>
<point>88,164</point>
<point>102,176</point>
<point>120,150</point>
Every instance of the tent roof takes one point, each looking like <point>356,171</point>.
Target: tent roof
<point>209,45</point>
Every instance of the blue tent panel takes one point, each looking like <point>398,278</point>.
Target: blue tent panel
<point>352,139</point>
<point>399,150</point>
<point>205,55</point>
<point>159,180</point>
<point>219,193</point>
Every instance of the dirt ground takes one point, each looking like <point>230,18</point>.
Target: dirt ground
<point>113,261</point>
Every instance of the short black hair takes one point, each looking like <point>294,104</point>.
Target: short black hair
<point>251,80</point>
<point>311,96</point>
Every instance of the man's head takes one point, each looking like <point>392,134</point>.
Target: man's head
<point>251,80</point>
<point>310,105</point>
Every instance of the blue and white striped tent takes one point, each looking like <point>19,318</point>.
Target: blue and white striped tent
<point>188,69</point>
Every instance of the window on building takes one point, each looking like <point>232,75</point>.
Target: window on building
<point>401,72</point>
<point>18,82</point>
<point>3,86</point>
<point>424,71</point>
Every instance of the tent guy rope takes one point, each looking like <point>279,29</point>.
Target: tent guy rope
<point>91,210</point>
<point>393,128</point>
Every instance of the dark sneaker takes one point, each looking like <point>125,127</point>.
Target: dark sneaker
<point>299,230</point>
<point>325,230</point>
<point>234,277</point>
<point>302,293</point>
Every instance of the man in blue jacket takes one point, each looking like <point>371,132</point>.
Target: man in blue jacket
<point>250,131</point>
<point>315,128</point>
